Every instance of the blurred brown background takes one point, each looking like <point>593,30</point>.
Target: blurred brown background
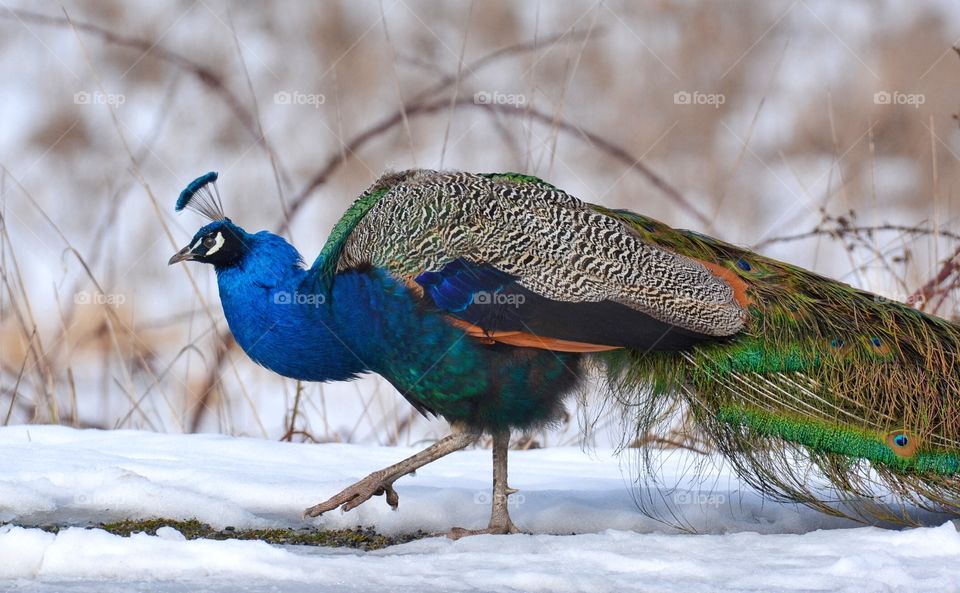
<point>751,120</point>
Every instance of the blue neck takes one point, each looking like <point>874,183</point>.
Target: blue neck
<point>284,321</point>
<point>299,324</point>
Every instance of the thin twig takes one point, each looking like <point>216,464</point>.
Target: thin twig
<point>207,76</point>
<point>288,435</point>
<point>16,386</point>
<point>360,140</point>
<point>840,232</point>
<point>925,293</point>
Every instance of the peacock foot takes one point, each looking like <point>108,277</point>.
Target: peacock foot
<point>378,483</point>
<point>381,481</point>
<point>500,522</point>
<point>458,532</point>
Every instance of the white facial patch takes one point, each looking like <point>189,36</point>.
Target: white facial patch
<point>217,245</point>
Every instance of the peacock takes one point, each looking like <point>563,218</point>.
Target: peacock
<point>487,299</point>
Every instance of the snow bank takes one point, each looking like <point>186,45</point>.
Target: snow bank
<point>58,475</point>
<point>856,560</point>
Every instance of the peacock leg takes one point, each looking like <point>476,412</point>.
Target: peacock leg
<point>500,522</point>
<point>381,481</point>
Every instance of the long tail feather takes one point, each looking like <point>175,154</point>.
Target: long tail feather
<point>832,396</point>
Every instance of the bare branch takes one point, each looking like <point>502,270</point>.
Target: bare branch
<point>412,111</point>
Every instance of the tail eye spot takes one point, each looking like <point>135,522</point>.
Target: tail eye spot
<point>902,442</point>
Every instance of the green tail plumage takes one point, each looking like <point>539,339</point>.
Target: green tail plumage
<point>828,388</point>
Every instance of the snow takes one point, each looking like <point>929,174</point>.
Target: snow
<point>58,475</point>
<point>867,559</point>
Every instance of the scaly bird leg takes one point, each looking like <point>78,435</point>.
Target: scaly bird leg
<point>381,481</point>
<point>500,522</point>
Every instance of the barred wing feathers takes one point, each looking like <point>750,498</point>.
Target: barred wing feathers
<point>565,260</point>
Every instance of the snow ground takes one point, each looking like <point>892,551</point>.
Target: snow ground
<point>58,475</point>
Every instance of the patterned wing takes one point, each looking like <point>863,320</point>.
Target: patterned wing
<point>568,260</point>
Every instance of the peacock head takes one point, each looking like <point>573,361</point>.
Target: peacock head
<point>220,243</point>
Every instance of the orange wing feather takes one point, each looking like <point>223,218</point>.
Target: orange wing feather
<point>527,340</point>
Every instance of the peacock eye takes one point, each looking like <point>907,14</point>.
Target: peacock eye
<point>209,241</point>
<point>903,443</point>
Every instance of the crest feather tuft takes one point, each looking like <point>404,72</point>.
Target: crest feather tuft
<point>203,197</point>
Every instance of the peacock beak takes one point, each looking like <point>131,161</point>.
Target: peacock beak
<point>183,255</point>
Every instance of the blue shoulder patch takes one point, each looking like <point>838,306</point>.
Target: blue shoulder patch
<point>460,284</point>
